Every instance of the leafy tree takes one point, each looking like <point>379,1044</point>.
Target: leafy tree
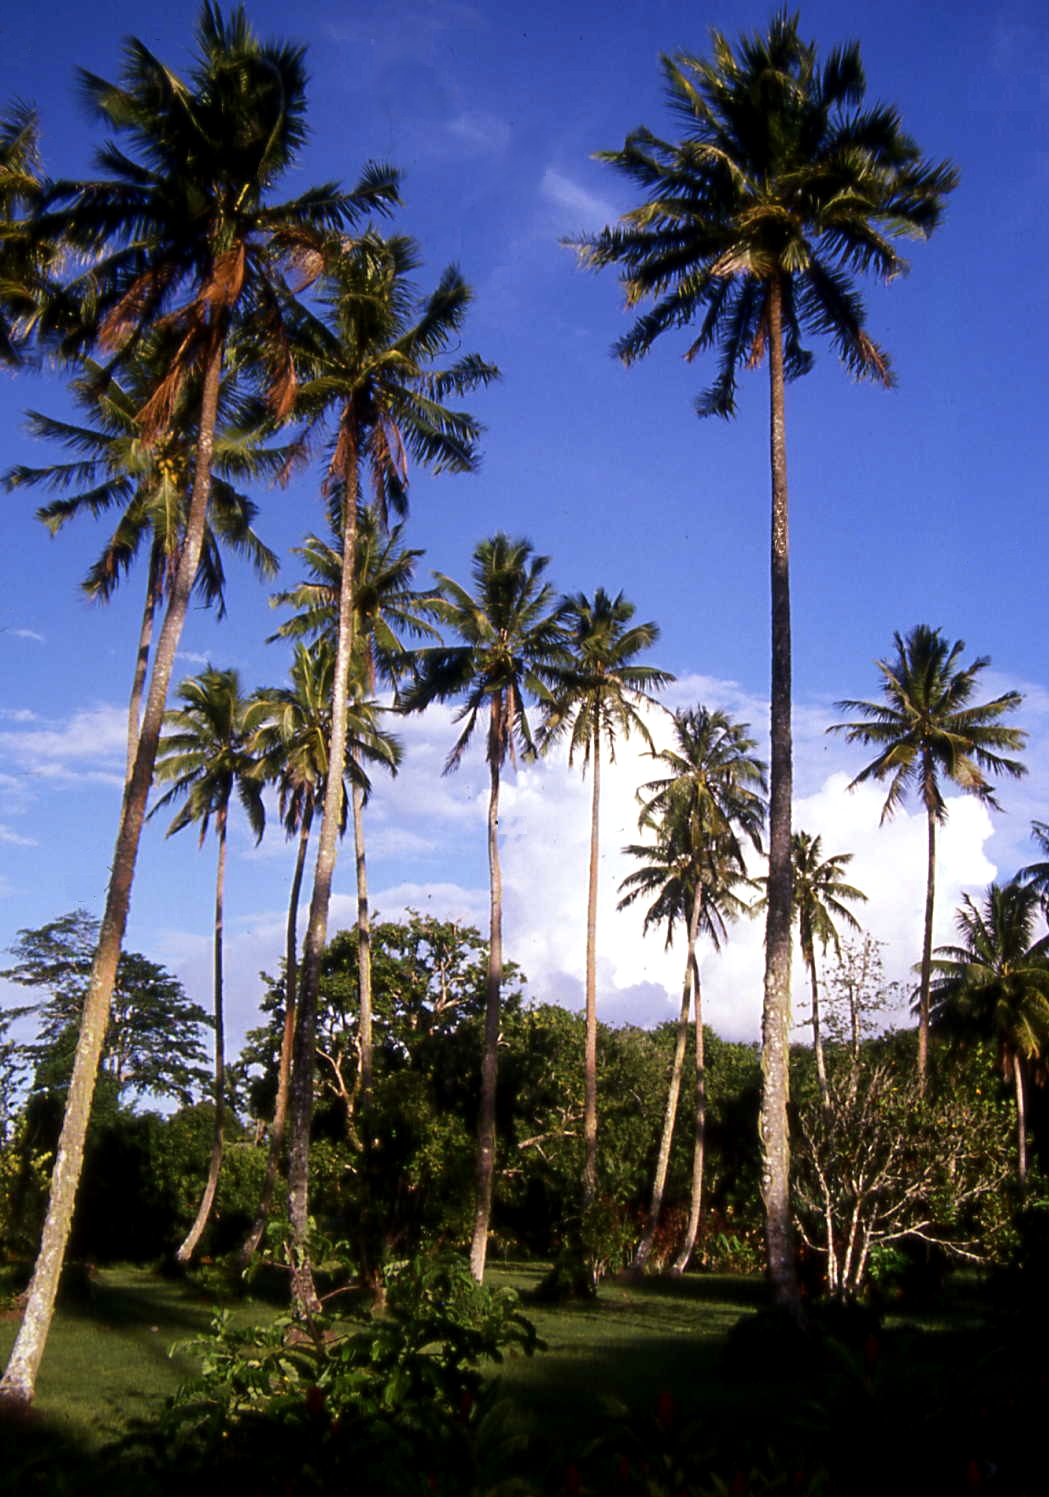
<point>206,757</point>
<point>703,811</point>
<point>377,375</point>
<point>928,730</point>
<point>601,700</point>
<point>513,649</point>
<point>153,1042</point>
<point>180,228</point>
<point>995,985</point>
<point>112,468</point>
<point>856,993</point>
<point>781,189</point>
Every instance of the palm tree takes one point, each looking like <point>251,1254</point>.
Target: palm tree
<point>376,372</point>
<point>755,223</point>
<point>114,469</point>
<point>180,228</point>
<point>819,892</point>
<point>702,812</point>
<point>291,734</point>
<point>1038,873</point>
<point>386,607</point>
<point>205,756</point>
<point>513,648</point>
<point>996,983</point>
<point>927,730</point>
<point>26,259</point>
<point>601,701</point>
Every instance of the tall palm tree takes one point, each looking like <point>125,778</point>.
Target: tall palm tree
<point>179,228</point>
<point>149,483</point>
<point>927,730</point>
<point>996,984</point>
<point>387,607</point>
<point>375,370</point>
<point>755,223</point>
<point>820,893</point>
<point>513,650</point>
<point>602,700</point>
<point>291,734</point>
<point>1038,873</point>
<point>703,812</point>
<point>206,757</point>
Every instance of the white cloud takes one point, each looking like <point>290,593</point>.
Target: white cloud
<point>91,733</point>
<point>479,133</point>
<point>585,209</point>
<point>17,715</point>
<point>12,839</point>
<point>32,634</point>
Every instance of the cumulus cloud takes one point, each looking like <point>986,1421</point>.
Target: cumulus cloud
<point>91,734</point>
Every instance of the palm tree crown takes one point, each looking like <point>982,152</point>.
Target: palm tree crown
<point>925,730</point>
<point>206,755</point>
<point>781,183</point>
<point>995,983</point>
<point>820,892</point>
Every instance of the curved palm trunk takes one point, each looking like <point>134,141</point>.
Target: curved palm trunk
<point>304,1293</point>
<point>809,954</point>
<point>19,1379</point>
<point>193,1236</point>
<point>775,1026</point>
<point>154,589</point>
<point>695,1207</point>
<point>364,951</point>
<point>590,1052</point>
<point>644,1247</point>
<point>1021,1117</point>
<point>250,1245</point>
<point>926,972</point>
<point>485,1173</point>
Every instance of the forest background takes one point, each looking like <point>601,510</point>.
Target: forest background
<point>925,504</point>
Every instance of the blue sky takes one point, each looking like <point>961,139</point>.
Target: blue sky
<point>923,504</point>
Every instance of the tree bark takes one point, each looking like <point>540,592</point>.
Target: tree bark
<point>590,1049</point>
<point>154,592</point>
<point>364,955</point>
<point>644,1247</point>
<point>1021,1117</point>
<point>695,1207</point>
<point>775,1049</point>
<point>19,1381</point>
<point>250,1245</point>
<point>485,1173</point>
<point>304,1293</point>
<point>809,953</point>
<point>193,1236</point>
<point>926,972</point>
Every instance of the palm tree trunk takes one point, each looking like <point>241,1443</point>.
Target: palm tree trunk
<point>193,1236</point>
<point>644,1247</point>
<point>304,1293</point>
<point>695,1207</point>
<point>154,592</point>
<point>590,1053</point>
<point>1021,1117</point>
<point>926,972</point>
<point>490,1055</point>
<point>250,1245</point>
<point>817,1034</point>
<point>775,1048</point>
<point>19,1381</point>
<point>364,953</point>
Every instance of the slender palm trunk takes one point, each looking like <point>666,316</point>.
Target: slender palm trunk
<point>485,1173</point>
<point>655,1209</point>
<point>304,1293</point>
<point>364,955</point>
<point>154,591</point>
<point>775,1048</point>
<point>695,1206</point>
<point>19,1381</point>
<point>250,1245</point>
<point>1021,1117</point>
<point>809,953</point>
<point>193,1236</point>
<point>590,1054</point>
<point>926,972</point>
